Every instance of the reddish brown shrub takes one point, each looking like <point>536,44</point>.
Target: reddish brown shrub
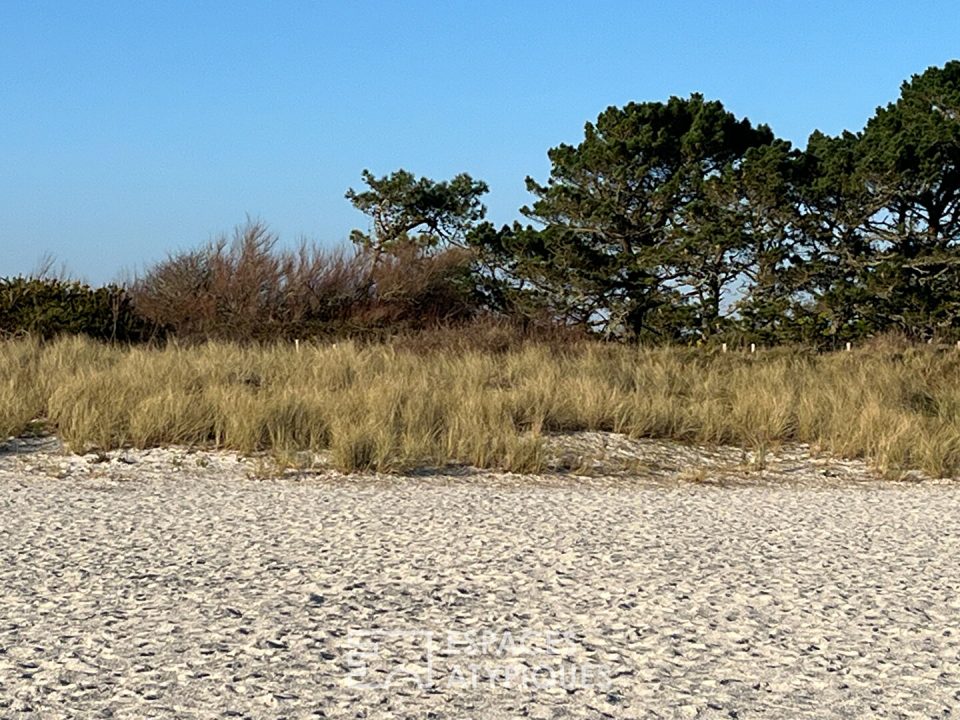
<point>249,290</point>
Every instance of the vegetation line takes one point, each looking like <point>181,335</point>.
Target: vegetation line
<point>670,222</point>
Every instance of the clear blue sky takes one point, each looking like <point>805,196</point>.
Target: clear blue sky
<point>132,129</point>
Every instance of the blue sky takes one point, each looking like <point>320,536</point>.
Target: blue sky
<point>129,130</point>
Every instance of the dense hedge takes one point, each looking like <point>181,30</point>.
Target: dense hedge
<point>47,307</point>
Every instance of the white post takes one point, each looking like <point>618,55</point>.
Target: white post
<point>723,347</point>
<point>848,347</point>
<point>296,344</point>
<point>753,347</point>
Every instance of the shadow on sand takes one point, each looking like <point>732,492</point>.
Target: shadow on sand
<point>29,444</point>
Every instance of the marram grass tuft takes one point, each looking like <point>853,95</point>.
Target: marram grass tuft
<point>384,408</point>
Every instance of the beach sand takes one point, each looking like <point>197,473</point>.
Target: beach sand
<point>701,583</point>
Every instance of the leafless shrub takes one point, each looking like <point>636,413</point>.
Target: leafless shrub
<point>410,290</point>
<point>248,289</point>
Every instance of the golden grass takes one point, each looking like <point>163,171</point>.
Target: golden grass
<point>388,409</point>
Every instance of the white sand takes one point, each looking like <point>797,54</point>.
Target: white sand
<point>176,585</point>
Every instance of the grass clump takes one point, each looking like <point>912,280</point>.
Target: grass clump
<point>386,407</point>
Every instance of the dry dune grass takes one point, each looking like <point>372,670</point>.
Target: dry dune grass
<point>386,408</point>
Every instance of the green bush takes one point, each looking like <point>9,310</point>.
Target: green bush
<point>47,307</point>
